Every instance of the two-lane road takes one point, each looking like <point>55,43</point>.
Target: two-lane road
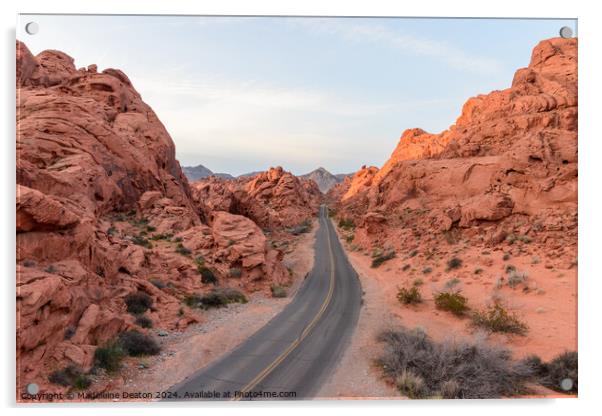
<point>291,355</point>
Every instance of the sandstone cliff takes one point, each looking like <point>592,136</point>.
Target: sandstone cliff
<point>507,166</point>
<point>103,210</point>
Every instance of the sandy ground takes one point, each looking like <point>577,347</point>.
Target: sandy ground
<point>547,303</point>
<point>221,330</point>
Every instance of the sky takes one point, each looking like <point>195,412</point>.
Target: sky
<point>241,94</point>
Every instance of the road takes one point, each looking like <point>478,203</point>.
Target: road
<point>292,355</point>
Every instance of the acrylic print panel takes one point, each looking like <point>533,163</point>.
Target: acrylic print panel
<point>260,208</point>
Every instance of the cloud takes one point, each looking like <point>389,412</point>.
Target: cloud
<point>354,31</point>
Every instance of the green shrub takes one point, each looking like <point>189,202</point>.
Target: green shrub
<point>381,258</point>
<point>418,282</point>
<point>409,296</point>
<point>454,263</point>
<point>302,228</point>
<point>142,241</point>
<point>423,368</point>
<point>138,302</point>
<point>346,223</point>
<point>161,236</point>
<point>109,357</point>
<point>453,302</point>
<point>50,269</point>
<point>516,278</point>
<point>497,319</point>
<point>236,272</point>
<point>278,291</point>
<point>183,250</point>
<point>70,376</point>
<point>136,344</point>
<point>144,321</point>
<point>411,385</point>
<point>207,275</point>
<point>159,284</point>
<point>216,298</point>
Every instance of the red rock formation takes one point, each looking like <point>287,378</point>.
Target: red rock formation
<point>509,160</point>
<point>274,199</point>
<point>103,210</point>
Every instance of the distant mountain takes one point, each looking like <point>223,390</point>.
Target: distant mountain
<point>194,173</point>
<point>248,175</point>
<point>324,179</point>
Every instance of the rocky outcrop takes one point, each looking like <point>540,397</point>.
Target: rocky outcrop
<point>510,159</point>
<point>103,210</point>
<point>274,199</point>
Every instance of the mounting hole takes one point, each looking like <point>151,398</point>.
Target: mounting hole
<point>566,32</point>
<point>566,384</point>
<point>32,388</point>
<point>32,28</point>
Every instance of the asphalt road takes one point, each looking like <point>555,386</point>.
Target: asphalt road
<point>292,355</point>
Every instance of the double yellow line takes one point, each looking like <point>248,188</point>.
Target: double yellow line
<point>266,371</point>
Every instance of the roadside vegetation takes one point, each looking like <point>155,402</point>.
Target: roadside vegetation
<point>216,298</point>
<point>379,256</point>
<point>421,368</point>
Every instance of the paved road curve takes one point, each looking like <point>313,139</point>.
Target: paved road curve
<point>300,346</point>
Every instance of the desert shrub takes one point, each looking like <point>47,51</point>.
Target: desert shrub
<point>510,268</point>
<point>454,263</point>
<point>557,373</point>
<point>413,253</point>
<point>50,269</point>
<point>512,238</point>
<point>111,230</point>
<point>382,257</point>
<point>236,272</point>
<point>506,256</point>
<point>151,229</point>
<point>207,275</point>
<point>159,284</point>
<point>411,385</point>
<point>70,376</point>
<point>496,318</point>
<point>183,250</point>
<point>109,357</point>
<point>144,321</point>
<point>423,368</point>
<point>177,240</point>
<point>453,302</point>
<point>135,344</point>
<point>478,270</point>
<point>427,270</point>
<point>216,298</point>
<point>69,332</point>
<point>161,236</point>
<point>350,238</point>
<point>516,278</point>
<point>138,302</point>
<point>29,263</point>
<point>451,283</point>
<point>418,282</point>
<point>301,228</point>
<point>409,296</point>
<point>278,291</point>
<point>406,267</point>
<point>346,223</point>
<point>142,241</point>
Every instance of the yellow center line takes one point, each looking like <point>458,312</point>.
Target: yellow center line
<point>266,371</point>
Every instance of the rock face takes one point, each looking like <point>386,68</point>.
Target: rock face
<point>324,179</point>
<point>508,164</point>
<point>103,210</point>
<point>274,199</point>
<point>194,173</point>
